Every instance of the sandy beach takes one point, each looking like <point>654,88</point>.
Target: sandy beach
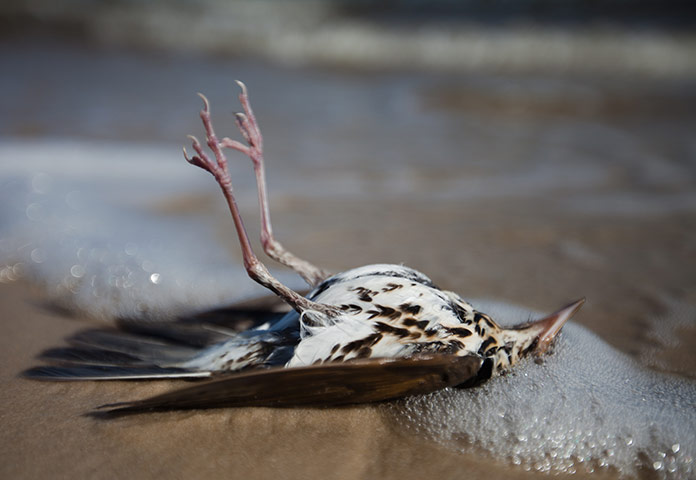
<point>490,187</point>
<point>46,431</point>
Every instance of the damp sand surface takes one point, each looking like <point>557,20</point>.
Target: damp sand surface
<point>46,431</point>
<point>530,190</point>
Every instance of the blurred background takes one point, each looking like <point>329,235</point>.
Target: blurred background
<point>531,151</point>
<point>525,151</point>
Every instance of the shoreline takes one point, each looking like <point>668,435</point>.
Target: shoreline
<point>47,431</point>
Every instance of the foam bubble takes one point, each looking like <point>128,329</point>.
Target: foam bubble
<point>109,260</point>
<point>585,407</point>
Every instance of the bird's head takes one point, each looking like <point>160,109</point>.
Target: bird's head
<point>504,347</point>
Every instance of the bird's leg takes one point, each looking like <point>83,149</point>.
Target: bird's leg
<point>256,270</point>
<point>246,122</point>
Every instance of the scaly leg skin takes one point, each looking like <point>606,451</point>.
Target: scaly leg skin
<point>246,122</point>
<point>218,168</point>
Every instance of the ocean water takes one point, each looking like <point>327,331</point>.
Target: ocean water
<point>103,251</point>
<point>99,210</point>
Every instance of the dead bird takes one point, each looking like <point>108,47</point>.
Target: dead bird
<point>369,334</point>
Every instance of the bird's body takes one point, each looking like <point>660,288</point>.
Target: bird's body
<point>387,311</point>
<point>368,334</point>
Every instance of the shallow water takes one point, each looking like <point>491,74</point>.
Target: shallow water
<point>531,190</point>
<point>119,259</point>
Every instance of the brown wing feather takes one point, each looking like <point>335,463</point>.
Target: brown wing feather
<point>331,384</point>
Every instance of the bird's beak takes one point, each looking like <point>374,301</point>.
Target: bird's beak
<point>550,325</point>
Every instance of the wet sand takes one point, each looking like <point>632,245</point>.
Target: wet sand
<point>526,252</point>
<point>46,432</point>
<point>534,248</point>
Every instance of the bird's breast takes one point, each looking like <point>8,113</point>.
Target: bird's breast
<point>383,314</point>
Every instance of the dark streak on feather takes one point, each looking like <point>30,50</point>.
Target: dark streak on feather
<point>323,286</point>
<point>364,352</point>
<point>368,341</point>
<point>462,314</point>
<point>461,331</point>
<point>351,307</point>
<point>413,276</point>
<point>409,322</point>
<point>485,344</point>
<point>386,328</point>
<point>410,308</point>
<point>431,332</point>
<point>383,311</point>
<point>390,287</point>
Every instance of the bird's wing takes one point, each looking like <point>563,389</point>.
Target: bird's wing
<point>330,384</point>
<point>142,349</point>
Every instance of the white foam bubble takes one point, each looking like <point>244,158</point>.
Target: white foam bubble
<point>585,407</point>
<point>106,255</point>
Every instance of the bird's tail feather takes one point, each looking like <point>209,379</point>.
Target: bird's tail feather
<point>109,372</point>
<point>140,349</point>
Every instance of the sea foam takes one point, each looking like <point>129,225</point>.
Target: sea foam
<point>583,408</point>
<point>87,233</point>
<point>88,237</point>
